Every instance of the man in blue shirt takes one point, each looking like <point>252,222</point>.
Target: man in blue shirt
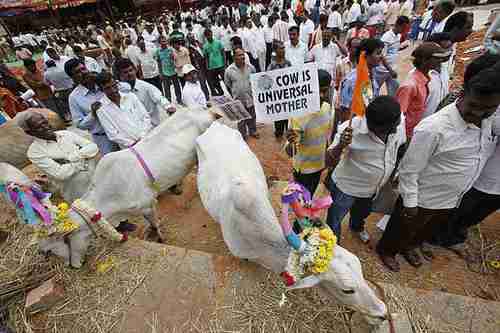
<point>81,100</point>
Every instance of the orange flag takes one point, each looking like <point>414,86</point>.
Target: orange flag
<point>363,92</point>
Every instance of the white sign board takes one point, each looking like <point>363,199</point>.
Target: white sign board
<point>285,93</point>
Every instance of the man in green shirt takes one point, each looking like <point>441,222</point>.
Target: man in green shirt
<point>168,75</point>
<point>214,54</point>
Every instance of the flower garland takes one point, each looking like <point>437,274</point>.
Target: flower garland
<point>312,248</point>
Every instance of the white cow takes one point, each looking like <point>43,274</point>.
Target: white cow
<point>233,189</point>
<point>120,186</point>
<point>76,240</point>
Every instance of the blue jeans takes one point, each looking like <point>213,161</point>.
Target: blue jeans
<point>360,209</point>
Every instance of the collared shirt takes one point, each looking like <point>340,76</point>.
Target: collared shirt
<point>391,47</point>
<point>392,12</point>
<point>489,179</point>
<point>298,54</point>
<point>368,162</point>
<point>280,31</point>
<point>131,53</point>
<point>438,89</point>
<point>214,53</point>
<point>314,129</point>
<point>125,124</point>
<point>151,38</point>
<point>80,102</point>
<point>411,96</point>
<point>347,88</point>
<point>375,14</point>
<point>181,58</point>
<point>268,34</point>
<point>193,96</point>
<point>66,161</point>
<point>326,58</point>
<point>334,20</point>
<point>166,57</point>
<point>57,77</point>
<point>354,12</point>
<point>148,61</point>
<point>238,82</point>
<point>306,29</point>
<point>444,159</point>
<point>150,96</point>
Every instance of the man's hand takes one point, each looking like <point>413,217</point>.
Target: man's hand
<point>409,212</point>
<point>292,136</point>
<point>346,137</point>
<point>94,107</point>
<point>171,109</point>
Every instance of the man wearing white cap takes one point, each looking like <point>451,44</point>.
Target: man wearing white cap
<point>192,95</point>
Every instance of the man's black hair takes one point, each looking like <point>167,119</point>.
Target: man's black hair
<point>103,78</point>
<point>70,65</point>
<point>402,20</point>
<point>383,111</point>
<point>293,28</point>
<point>456,21</point>
<point>439,37</point>
<point>482,62</point>
<point>123,63</point>
<point>484,83</point>
<point>369,45</point>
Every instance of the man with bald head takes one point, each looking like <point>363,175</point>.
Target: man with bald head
<point>67,159</point>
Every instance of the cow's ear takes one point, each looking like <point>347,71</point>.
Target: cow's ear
<point>306,282</point>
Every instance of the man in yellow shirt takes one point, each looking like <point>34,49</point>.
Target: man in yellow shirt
<point>308,138</point>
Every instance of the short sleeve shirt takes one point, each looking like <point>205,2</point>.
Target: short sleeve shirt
<point>214,53</point>
<point>166,57</point>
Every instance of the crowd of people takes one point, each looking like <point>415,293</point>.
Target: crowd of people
<point>115,81</point>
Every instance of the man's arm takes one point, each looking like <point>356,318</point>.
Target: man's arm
<point>342,139</point>
<point>420,150</point>
<point>87,150</point>
<point>228,81</point>
<point>80,120</point>
<point>40,157</point>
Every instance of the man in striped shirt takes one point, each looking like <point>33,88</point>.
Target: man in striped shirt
<point>307,139</point>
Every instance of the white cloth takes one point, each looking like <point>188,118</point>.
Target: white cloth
<point>57,77</point>
<point>103,44</point>
<point>392,45</point>
<point>489,180</point>
<point>92,65</point>
<point>306,30</point>
<point>227,34</point>
<point>68,51</point>
<point>131,53</point>
<point>326,57</point>
<point>150,38</point>
<point>354,13</point>
<point>375,14</point>
<point>368,162</point>
<point>151,97</point>
<point>406,9</point>
<point>125,124</point>
<point>280,31</point>
<point>268,34</point>
<point>193,96</point>
<point>334,20</point>
<point>69,162</point>
<point>438,89</point>
<point>445,157</point>
<point>148,61</point>
<point>297,55</point>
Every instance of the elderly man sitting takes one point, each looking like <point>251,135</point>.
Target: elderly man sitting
<point>68,159</point>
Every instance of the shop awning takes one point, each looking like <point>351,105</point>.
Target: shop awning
<point>41,4</point>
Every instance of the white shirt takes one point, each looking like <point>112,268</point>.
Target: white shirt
<point>92,65</point>
<point>148,62</point>
<point>268,34</point>
<point>438,89</point>
<point>193,96</point>
<point>489,179</point>
<point>57,77</point>
<point>392,45</point>
<point>375,14</point>
<point>131,53</point>
<point>354,12</point>
<point>280,30</point>
<point>406,9</point>
<point>68,51</point>
<point>297,55</point>
<point>103,44</point>
<point>326,57</point>
<point>368,162</point>
<point>78,153</point>
<point>444,159</point>
<point>150,96</point>
<point>126,124</point>
<point>150,38</point>
<point>306,29</point>
<point>334,20</point>
<point>227,34</point>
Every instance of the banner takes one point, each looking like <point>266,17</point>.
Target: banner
<point>285,93</point>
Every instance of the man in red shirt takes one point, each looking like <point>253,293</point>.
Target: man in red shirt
<point>413,93</point>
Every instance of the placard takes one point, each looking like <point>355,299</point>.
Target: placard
<point>285,93</point>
